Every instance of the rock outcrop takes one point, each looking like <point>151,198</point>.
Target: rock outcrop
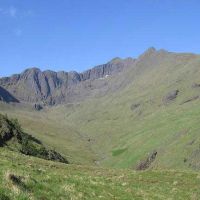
<point>170,96</point>
<point>145,164</point>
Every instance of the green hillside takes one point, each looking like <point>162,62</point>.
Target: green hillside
<point>138,138</point>
<point>23,177</point>
<point>122,127</point>
<point>15,139</point>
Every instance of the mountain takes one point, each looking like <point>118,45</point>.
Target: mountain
<point>141,115</point>
<point>50,88</point>
<point>112,122</point>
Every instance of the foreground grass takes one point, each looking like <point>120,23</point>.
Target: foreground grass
<point>40,179</point>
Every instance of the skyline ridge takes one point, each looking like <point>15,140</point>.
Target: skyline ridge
<point>75,35</point>
<point>42,69</point>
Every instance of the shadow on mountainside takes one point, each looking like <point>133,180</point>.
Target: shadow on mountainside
<point>6,96</point>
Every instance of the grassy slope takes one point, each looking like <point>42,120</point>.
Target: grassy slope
<point>40,179</point>
<point>112,125</point>
<point>173,130</point>
<point>111,122</point>
<point>52,133</point>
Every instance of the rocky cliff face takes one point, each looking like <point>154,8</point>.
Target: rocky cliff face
<point>42,88</point>
<point>50,88</point>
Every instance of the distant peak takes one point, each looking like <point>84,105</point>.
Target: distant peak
<point>129,59</point>
<point>153,50</point>
<point>32,69</point>
<point>163,51</point>
<point>150,50</point>
<point>49,72</point>
<point>116,59</point>
<point>73,72</point>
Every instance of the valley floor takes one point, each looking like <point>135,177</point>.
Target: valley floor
<point>23,177</point>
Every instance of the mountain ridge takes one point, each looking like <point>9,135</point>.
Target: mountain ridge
<point>127,113</point>
<point>48,88</point>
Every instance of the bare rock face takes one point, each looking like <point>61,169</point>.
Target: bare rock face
<point>170,96</point>
<point>50,88</point>
<point>195,85</point>
<point>135,106</point>
<point>38,107</point>
<point>145,164</point>
<point>114,66</point>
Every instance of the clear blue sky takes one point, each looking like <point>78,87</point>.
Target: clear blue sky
<point>78,34</point>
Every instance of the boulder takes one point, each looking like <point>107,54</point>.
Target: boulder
<point>134,106</point>
<point>195,85</point>
<point>170,96</point>
<point>38,107</point>
<point>145,164</point>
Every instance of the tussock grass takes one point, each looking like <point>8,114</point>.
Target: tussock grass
<point>34,178</point>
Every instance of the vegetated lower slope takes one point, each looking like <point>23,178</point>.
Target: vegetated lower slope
<point>152,106</point>
<point>34,178</point>
<point>52,132</point>
<point>12,137</point>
